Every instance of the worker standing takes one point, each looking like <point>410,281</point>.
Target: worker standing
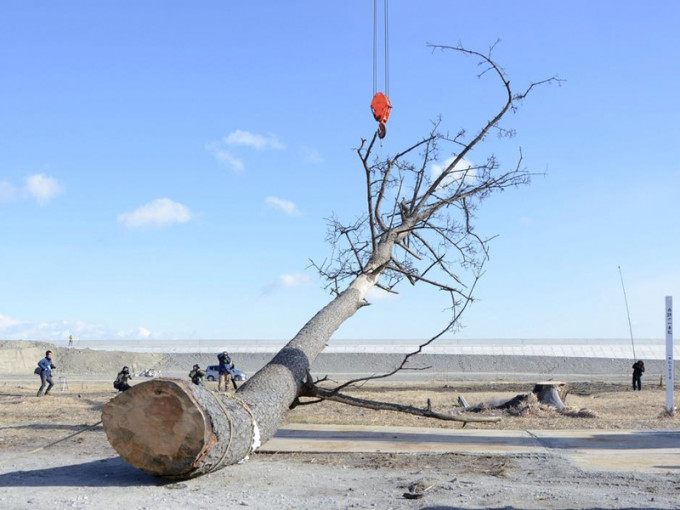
<point>638,369</point>
<point>225,371</point>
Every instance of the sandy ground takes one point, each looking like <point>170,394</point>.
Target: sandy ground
<point>84,472</point>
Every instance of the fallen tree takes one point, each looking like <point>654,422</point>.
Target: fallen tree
<point>417,226</point>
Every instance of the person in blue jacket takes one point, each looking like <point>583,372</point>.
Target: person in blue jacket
<point>46,367</point>
<point>225,368</point>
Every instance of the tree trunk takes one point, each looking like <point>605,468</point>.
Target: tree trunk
<point>172,428</point>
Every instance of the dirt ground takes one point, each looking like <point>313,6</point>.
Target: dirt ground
<point>83,471</point>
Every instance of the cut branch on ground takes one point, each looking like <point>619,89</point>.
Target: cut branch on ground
<point>321,394</point>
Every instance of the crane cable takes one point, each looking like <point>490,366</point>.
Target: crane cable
<point>375,48</point>
<point>381,105</point>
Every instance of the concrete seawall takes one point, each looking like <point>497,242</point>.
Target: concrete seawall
<point>446,366</point>
<point>20,358</point>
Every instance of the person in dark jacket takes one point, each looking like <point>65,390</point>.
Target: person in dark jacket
<point>225,368</point>
<point>121,382</point>
<point>45,365</point>
<point>196,375</point>
<point>638,369</point>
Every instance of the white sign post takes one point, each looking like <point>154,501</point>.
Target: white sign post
<point>669,354</point>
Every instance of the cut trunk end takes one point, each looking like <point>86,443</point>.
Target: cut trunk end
<point>172,428</point>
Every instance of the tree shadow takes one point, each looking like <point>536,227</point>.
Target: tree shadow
<point>95,405</point>
<point>598,440</point>
<point>113,472</point>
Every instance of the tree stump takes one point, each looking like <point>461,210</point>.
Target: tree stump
<point>552,393</point>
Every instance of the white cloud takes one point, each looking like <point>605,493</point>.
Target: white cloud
<point>288,281</point>
<point>8,193</point>
<point>59,330</point>
<point>252,140</point>
<point>286,206</point>
<point>312,156</point>
<point>140,333</point>
<point>463,169</point>
<point>157,213</point>
<point>38,187</point>
<point>42,188</point>
<point>7,322</point>
<point>377,294</point>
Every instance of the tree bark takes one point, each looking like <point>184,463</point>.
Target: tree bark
<point>172,428</point>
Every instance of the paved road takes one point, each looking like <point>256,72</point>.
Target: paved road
<point>653,451</point>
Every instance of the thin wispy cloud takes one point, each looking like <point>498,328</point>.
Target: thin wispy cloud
<point>230,161</point>
<point>288,281</point>
<point>7,322</point>
<point>224,157</point>
<point>157,213</point>
<point>16,329</point>
<point>280,204</point>
<point>254,141</point>
<point>223,151</point>
<point>312,156</point>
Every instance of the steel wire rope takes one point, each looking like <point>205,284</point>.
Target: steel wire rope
<point>375,47</point>
<point>387,52</point>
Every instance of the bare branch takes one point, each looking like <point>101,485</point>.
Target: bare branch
<point>456,316</point>
<point>323,394</point>
<point>369,197</point>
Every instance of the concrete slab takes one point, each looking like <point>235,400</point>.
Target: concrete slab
<point>352,439</point>
<point>622,450</point>
<point>648,451</point>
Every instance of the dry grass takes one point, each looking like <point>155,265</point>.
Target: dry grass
<point>615,407</point>
<point>30,422</point>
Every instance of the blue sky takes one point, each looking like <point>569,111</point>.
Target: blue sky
<point>166,168</point>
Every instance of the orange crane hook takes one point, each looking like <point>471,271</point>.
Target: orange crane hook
<point>381,107</point>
